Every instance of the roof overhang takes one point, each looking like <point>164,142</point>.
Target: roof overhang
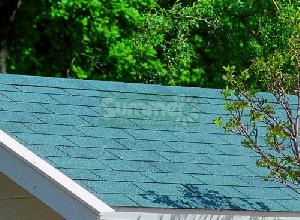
<point>123,213</point>
<point>48,184</point>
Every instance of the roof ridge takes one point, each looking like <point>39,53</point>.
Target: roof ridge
<point>99,85</point>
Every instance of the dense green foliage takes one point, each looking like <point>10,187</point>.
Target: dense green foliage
<point>183,42</point>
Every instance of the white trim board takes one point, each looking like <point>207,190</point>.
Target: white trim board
<point>157,216</point>
<point>48,184</point>
<point>205,211</point>
<point>127,213</point>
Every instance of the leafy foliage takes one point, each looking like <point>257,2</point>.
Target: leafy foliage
<point>178,42</point>
<point>269,122</point>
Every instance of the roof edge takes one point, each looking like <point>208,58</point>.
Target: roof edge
<point>208,212</point>
<point>50,173</point>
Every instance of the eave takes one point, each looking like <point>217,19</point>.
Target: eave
<point>48,184</point>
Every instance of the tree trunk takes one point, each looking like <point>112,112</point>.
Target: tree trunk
<point>3,56</point>
<point>6,31</point>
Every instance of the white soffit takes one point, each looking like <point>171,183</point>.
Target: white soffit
<point>48,184</point>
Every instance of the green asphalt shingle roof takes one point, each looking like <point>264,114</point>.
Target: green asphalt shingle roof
<point>138,145</point>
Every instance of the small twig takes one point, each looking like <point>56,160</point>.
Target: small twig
<point>276,5</point>
<point>70,66</point>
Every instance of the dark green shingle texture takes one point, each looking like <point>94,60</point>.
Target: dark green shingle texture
<point>139,145</point>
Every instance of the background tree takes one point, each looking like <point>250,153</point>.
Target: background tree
<point>175,42</point>
<point>269,122</point>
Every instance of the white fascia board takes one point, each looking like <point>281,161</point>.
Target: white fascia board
<point>48,184</point>
<point>123,213</point>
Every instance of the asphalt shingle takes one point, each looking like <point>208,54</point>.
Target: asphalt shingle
<point>139,145</point>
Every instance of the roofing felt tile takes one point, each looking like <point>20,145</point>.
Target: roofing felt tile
<point>103,187</point>
<point>260,182</point>
<point>120,113</point>
<point>209,108</point>
<point>70,110</point>
<point>22,107</point>
<point>172,178</point>
<point>53,129</point>
<point>120,199</point>
<point>43,90</point>
<point>112,86</point>
<point>12,127</point>
<point>136,96</point>
<point>203,92</point>
<point>103,102</point>
<point>186,99</point>
<point>55,119</point>
<point>210,200</point>
<point>18,117</point>
<point>231,159</point>
<point>264,193</point>
<point>171,167</point>
<point>121,176</point>
<point>150,88</point>
<point>103,132</point>
<point>158,125</point>
<point>226,170</point>
<point>197,137</point>
<point>290,205</point>
<point>257,204</point>
<point>80,174</point>
<point>29,97</point>
<point>76,100</point>
<point>4,98</point>
<point>258,171</point>
<point>88,93</point>
<point>46,150</point>
<point>81,152</point>
<point>235,150</point>
<point>193,147</point>
<point>43,139</point>
<point>230,139</point>
<point>77,163</point>
<point>188,157</point>
<point>200,127</point>
<point>184,91</point>
<point>212,190</point>
<point>152,135</point>
<point>4,87</point>
<point>158,201</point>
<point>171,106</point>
<point>110,122</point>
<point>161,189</point>
<point>125,103</point>
<point>202,118</point>
<point>137,155</point>
<point>166,116</point>
<point>124,165</point>
<point>215,101</point>
<point>144,145</point>
<point>220,180</point>
<point>91,142</point>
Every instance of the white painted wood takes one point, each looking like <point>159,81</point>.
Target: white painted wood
<point>186,216</point>
<point>48,184</point>
<point>205,211</point>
